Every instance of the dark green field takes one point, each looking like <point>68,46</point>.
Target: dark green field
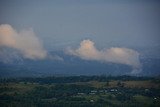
<point>80,91</point>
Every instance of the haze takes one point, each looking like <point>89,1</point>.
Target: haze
<point>120,32</point>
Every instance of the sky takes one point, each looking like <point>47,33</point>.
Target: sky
<point>61,23</point>
<point>126,27</point>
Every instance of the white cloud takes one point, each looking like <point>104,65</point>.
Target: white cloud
<point>25,41</point>
<point>88,51</point>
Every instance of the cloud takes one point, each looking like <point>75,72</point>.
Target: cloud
<point>25,41</point>
<point>88,51</point>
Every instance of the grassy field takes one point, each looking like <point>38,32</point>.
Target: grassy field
<point>126,84</point>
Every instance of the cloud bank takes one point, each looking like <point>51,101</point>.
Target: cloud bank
<point>25,41</point>
<point>88,51</point>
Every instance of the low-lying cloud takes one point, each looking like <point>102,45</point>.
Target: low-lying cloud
<point>25,41</point>
<point>88,51</point>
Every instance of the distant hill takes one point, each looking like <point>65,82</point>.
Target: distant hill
<point>71,65</point>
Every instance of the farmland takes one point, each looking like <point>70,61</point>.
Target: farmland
<point>80,91</point>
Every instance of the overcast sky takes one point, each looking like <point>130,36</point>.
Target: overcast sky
<point>62,23</point>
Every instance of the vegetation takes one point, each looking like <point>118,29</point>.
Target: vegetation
<point>80,91</point>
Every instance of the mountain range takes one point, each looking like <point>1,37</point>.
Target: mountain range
<point>62,64</point>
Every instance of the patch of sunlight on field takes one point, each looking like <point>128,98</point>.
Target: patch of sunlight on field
<point>141,84</point>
